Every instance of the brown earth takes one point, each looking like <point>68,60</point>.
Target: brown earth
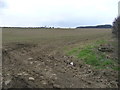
<point>45,65</point>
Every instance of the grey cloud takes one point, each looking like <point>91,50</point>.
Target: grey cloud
<point>11,14</point>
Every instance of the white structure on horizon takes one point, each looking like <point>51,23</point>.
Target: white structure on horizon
<point>119,8</point>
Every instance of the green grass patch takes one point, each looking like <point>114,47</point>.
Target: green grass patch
<point>116,68</point>
<point>73,51</point>
<point>101,42</point>
<point>90,55</point>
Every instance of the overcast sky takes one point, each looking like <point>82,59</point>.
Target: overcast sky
<point>57,13</point>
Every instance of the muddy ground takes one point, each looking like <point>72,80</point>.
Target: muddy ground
<point>31,65</point>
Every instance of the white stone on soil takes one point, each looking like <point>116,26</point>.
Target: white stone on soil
<point>7,82</point>
<point>71,63</point>
<point>30,58</point>
<point>31,78</point>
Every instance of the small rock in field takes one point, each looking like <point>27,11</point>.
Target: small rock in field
<point>19,74</point>
<point>44,82</point>
<point>31,62</point>
<point>7,82</point>
<point>71,63</point>
<point>56,86</point>
<point>55,78</point>
<point>35,61</point>
<point>55,64</point>
<point>31,78</point>
<point>30,58</point>
<point>54,75</point>
<point>8,74</point>
<point>5,49</point>
<point>64,56</point>
<point>45,69</point>
<point>24,73</point>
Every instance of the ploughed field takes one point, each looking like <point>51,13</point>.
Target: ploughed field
<point>38,58</point>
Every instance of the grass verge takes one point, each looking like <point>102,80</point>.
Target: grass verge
<point>90,55</point>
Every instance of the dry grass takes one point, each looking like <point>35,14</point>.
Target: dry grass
<point>49,35</point>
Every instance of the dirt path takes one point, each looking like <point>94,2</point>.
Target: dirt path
<point>45,66</point>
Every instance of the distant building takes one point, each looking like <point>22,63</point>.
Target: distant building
<point>119,8</point>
